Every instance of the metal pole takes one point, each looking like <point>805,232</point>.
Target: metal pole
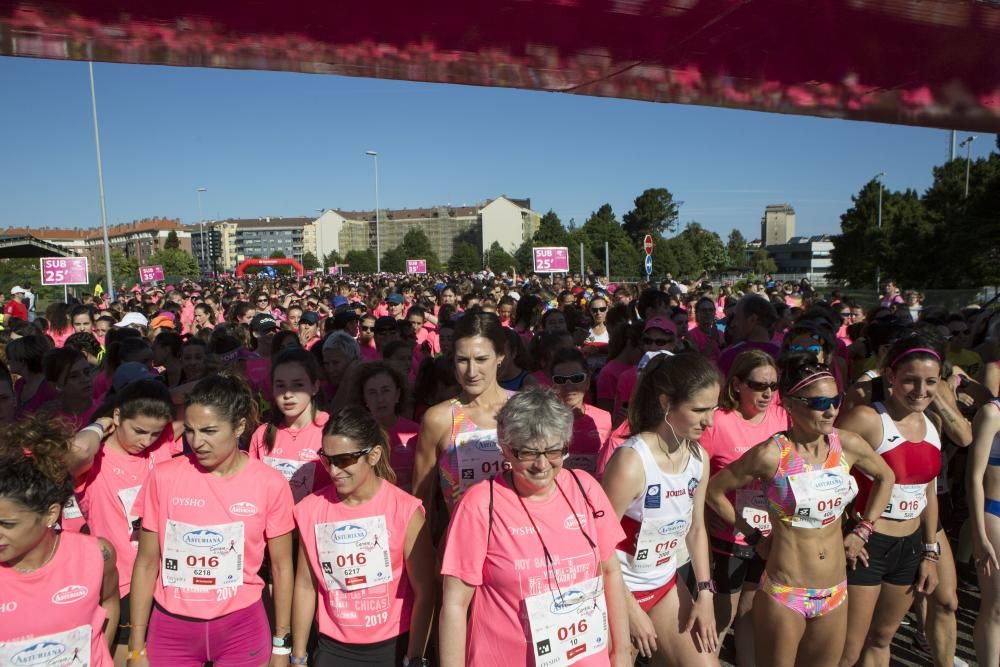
<point>201,218</point>
<point>100,188</point>
<point>878,278</point>
<point>581,260</point>
<point>607,262</point>
<point>968,158</point>
<point>951,153</point>
<point>378,241</point>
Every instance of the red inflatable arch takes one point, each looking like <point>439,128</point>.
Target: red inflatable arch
<point>269,262</point>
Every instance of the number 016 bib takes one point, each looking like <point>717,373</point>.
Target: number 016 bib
<point>354,554</point>
<point>202,557</point>
<point>478,455</point>
<point>568,627</point>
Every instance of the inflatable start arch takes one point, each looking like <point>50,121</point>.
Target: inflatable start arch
<point>247,263</point>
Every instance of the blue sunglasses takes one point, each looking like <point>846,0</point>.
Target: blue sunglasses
<point>819,403</point>
<point>812,349</point>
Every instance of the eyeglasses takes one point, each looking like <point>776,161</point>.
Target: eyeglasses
<point>659,342</point>
<point>532,455</point>
<point>575,378</point>
<point>596,309</point>
<point>819,403</point>
<point>263,299</point>
<point>761,386</point>
<point>813,349</point>
<point>364,328</point>
<point>846,314</point>
<point>344,460</point>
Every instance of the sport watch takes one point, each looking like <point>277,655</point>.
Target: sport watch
<point>707,586</point>
<point>933,548</point>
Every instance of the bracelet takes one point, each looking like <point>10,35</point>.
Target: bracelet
<point>136,654</point>
<point>869,525</point>
<point>303,660</point>
<point>933,557</point>
<point>862,532</point>
<point>282,650</point>
<point>96,428</point>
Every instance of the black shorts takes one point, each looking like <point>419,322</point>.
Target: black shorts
<point>124,621</point>
<point>733,565</point>
<point>891,560</point>
<point>388,653</point>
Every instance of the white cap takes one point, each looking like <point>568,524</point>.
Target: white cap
<point>17,289</point>
<point>649,356</point>
<point>133,318</point>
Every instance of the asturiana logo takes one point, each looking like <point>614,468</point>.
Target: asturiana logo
<point>38,654</point>
<point>70,594</point>
<point>827,481</point>
<point>575,521</point>
<point>487,445</point>
<point>349,534</point>
<point>203,538</point>
<point>243,509</point>
<point>567,602</point>
<point>673,528</point>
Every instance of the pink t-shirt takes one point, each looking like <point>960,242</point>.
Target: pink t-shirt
<point>615,440</point>
<point>363,615</point>
<point>590,429</point>
<point>43,610</point>
<point>295,455</point>
<point>402,449</point>
<point>219,522</point>
<point>107,493</point>
<point>369,353</point>
<point>607,379</point>
<point>507,565</point>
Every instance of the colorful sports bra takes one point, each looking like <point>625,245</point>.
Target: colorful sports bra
<point>473,455</point>
<point>806,495</point>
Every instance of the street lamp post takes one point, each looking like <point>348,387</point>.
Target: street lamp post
<point>967,144</point>
<point>878,278</point>
<point>100,187</point>
<point>378,242</point>
<point>201,219</point>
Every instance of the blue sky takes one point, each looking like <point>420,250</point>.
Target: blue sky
<point>281,144</point>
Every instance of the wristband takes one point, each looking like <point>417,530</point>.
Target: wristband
<point>281,650</point>
<point>303,660</point>
<point>862,532</point>
<point>136,654</point>
<point>96,428</point>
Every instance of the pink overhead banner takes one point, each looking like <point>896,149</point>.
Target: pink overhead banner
<point>551,260</point>
<point>416,266</point>
<point>151,274</point>
<point>64,271</point>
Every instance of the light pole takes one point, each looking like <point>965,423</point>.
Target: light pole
<point>201,219</point>
<point>319,239</point>
<point>100,187</point>
<point>378,242</point>
<point>967,144</point>
<point>878,278</point>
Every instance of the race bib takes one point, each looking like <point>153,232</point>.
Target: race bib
<point>300,474</point>
<point>752,506</point>
<point>202,557</point>
<point>71,510</point>
<point>61,649</point>
<point>907,502</point>
<point>127,497</point>
<point>821,496</point>
<point>586,462</point>
<point>354,554</point>
<point>658,542</point>
<point>569,627</point>
<point>479,457</point>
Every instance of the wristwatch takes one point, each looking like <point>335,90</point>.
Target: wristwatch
<point>707,586</point>
<point>933,548</point>
<point>416,662</point>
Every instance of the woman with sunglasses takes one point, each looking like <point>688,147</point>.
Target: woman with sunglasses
<point>749,413</point>
<point>207,519</point>
<point>530,573</point>
<point>591,426</point>
<point>457,445</point>
<point>656,483</point>
<point>659,334</point>
<point>904,551</point>
<point>598,316</point>
<point>366,560</point>
<point>805,474</point>
<point>807,337</point>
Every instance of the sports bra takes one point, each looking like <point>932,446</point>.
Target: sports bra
<point>473,455</point>
<point>806,495</point>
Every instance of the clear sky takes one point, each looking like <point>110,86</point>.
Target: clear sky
<point>281,144</point>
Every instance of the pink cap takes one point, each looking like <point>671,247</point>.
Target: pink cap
<point>662,323</point>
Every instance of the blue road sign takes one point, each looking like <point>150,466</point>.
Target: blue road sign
<point>649,265</point>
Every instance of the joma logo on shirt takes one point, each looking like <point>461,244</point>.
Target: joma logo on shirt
<point>70,594</point>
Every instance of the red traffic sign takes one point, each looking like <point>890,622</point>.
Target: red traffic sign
<point>647,244</point>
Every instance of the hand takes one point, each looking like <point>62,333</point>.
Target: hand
<point>986,557</point>
<point>641,629</point>
<point>278,660</point>
<point>927,577</point>
<point>702,623</point>
<point>854,549</point>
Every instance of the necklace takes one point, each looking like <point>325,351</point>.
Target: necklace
<point>52,552</point>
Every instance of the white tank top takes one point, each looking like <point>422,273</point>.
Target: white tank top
<point>657,522</point>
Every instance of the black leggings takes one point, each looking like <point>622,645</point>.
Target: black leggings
<point>388,653</point>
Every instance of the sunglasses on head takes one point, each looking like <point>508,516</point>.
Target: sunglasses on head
<point>598,309</point>
<point>344,460</point>
<point>532,455</point>
<point>575,378</point>
<point>819,403</point>
<point>760,386</point>
<point>812,349</point>
<point>659,342</point>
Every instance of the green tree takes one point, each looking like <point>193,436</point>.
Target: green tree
<point>176,264</point>
<point>499,260</point>
<point>707,247</point>
<point>550,232</point>
<point>763,262</point>
<point>675,256</point>
<point>277,254</point>
<point>360,261</point>
<point>626,257</point>
<point>332,259</point>
<point>466,258</point>
<point>655,213</point>
<point>309,261</point>
<point>416,245</point>
<point>172,242</point>
<point>394,260</point>
<point>736,247</point>
<point>524,259</point>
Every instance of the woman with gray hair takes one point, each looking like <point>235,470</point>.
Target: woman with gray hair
<point>532,550</point>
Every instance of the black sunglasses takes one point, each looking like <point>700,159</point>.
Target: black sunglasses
<point>575,378</point>
<point>597,309</point>
<point>344,460</point>
<point>760,386</point>
<point>659,342</point>
<point>819,403</point>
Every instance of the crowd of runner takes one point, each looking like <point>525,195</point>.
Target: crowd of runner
<point>494,470</point>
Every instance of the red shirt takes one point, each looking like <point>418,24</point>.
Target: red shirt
<point>15,308</point>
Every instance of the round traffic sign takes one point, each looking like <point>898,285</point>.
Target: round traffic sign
<point>649,265</point>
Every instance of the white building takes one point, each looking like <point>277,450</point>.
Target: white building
<point>808,257</point>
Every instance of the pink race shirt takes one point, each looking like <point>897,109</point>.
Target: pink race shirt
<point>507,564</point>
<point>607,379</point>
<point>590,429</point>
<point>615,440</point>
<point>212,532</point>
<point>295,455</point>
<point>107,494</point>
<point>355,604</point>
<point>54,614</point>
<point>402,448</point>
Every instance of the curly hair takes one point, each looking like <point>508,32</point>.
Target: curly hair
<point>33,463</point>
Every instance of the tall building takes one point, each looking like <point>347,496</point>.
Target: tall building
<point>777,225</point>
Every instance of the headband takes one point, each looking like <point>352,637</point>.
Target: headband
<point>810,379</point>
<point>915,350</point>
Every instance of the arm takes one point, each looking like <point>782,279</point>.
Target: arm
<point>986,425</point>
<point>702,618</point>
<point>991,378</point>
<point>85,446</point>
<point>759,462</point>
<point>303,605</point>
<point>282,575</point>
<point>861,455</point>
<point>927,578</point>
<point>617,597</point>
<point>109,593</point>
<point>453,622</point>
<point>420,562</point>
<point>955,426</point>
<point>435,426</point>
<point>144,574</point>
